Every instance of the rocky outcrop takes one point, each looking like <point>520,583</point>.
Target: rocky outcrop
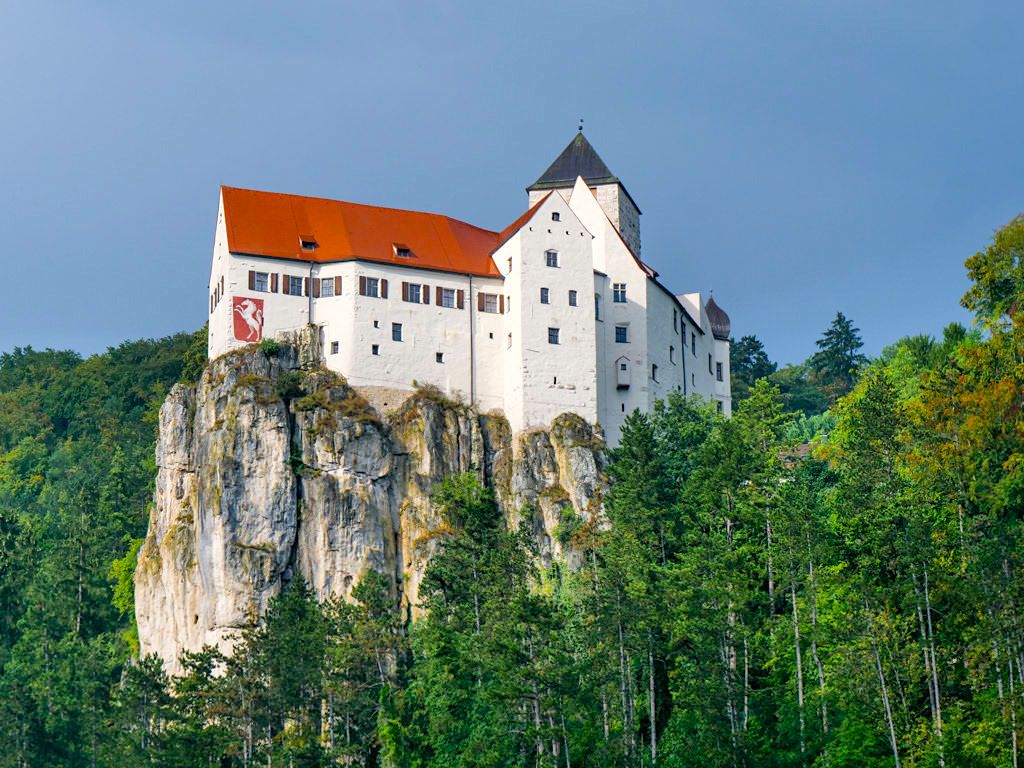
<point>271,467</point>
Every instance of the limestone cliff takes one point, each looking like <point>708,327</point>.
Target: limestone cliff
<point>270,468</point>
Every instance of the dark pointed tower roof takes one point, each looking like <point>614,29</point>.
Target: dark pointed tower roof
<point>720,324</point>
<point>577,159</point>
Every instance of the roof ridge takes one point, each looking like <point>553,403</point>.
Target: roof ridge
<point>360,205</point>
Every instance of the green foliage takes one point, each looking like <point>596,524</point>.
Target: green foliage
<point>270,347</point>
<point>76,473</point>
<point>997,274</point>
<point>748,362</point>
<point>838,357</point>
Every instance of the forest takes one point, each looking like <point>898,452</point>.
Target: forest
<point>830,577</point>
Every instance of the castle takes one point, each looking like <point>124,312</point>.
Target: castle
<point>556,313</point>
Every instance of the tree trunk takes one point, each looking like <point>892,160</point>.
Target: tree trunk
<point>814,647</point>
<point>935,672</point>
<point>650,693</point>
<point>885,690</point>
<point>799,666</point>
<point>626,727</point>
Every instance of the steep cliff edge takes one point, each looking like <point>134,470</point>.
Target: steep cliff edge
<point>268,469</point>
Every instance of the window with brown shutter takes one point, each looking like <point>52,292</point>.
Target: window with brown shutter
<point>405,291</point>
<point>211,305</point>
<point>252,280</point>
<point>461,301</point>
<point>437,296</point>
<point>305,286</point>
<point>501,303</point>
<point>362,285</point>
<point>273,282</point>
<point>426,294</point>
<point>383,288</point>
<point>316,289</point>
<point>479,302</point>
<point>337,285</point>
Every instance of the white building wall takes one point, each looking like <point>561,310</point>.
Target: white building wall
<point>545,379</point>
<point>613,259</point>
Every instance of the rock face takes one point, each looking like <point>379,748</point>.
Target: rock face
<point>272,467</point>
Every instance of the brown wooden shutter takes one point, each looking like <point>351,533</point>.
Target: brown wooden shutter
<point>316,288</point>
<point>252,280</point>
<point>383,288</point>
<point>337,285</point>
<point>362,285</point>
<point>425,293</point>
<point>479,302</point>
<point>501,303</point>
<point>460,299</point>
<point>305,286</point>
<point>211,305</point>
<point>437,296</point>
<point>405,291</point>
<point>273,282</point>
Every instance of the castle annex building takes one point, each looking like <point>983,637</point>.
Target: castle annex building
<point>556,313</point>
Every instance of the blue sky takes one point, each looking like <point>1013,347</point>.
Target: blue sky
<point>798,158</point>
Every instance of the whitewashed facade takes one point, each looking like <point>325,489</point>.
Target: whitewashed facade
<point>560,315</point>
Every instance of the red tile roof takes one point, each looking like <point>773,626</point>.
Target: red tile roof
<point>273,224</point>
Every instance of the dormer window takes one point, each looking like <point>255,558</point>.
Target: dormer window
<point>402,251</point>
<point>308,243</point>
<point>556,216</point>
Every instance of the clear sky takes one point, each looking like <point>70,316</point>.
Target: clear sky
<point>798,158</point>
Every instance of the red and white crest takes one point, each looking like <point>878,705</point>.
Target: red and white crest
<point>248,314</point>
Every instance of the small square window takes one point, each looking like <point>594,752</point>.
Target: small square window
<point>373,287</point>
<point>307,243</point>
<point>556,216</point>
<point>572,298</point>
<point>439,357</point>
<point>375,349</point>
<point>551,258</point>
<point>261,282</point>
<point>327,286</point>
<point>402,251</point>
<point>413,293</point>
<point>545,296</point>
<point>622,366</point>
<point>396,331</point>
<point>376,323</point>
<point>489,303</point>
<point>619,293</point>
<point>293,285</point>
<point>621,334</point>
<point>552,335</point>
<point>447,298</point>
<point>718,405</point>
<point>334,347</point>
